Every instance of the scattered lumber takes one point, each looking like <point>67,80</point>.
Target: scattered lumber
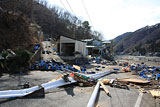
<point>60,76</point>
<point>155,93</point>
<point>77,67</point>
<point>87,81</point>
<point>131,80</point>
<point>106,81</point>
<point>105,89</point>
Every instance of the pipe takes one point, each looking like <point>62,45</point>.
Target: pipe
<point>94,96</point>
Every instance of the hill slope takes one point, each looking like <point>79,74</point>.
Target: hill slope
<point>120,37</point>
<point>15,31</point>
<point>146,39</point>
<point>53,20</point>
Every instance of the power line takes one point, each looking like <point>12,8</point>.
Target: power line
<point>68,11</point>
<point>63,5</point>
<point>70,7</point>
<point>87,13</point>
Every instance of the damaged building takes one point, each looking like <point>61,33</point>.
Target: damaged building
<point>95,47</point>
<point>67,46</point>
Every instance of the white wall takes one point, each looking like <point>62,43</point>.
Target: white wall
<point>79,46</point>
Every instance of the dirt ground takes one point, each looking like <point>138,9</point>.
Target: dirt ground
<point>150,61</point>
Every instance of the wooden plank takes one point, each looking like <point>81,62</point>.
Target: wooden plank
<point>105,89</point>
<point>155,93</point>
<point>106,81</point>
<point>133,80</point>
<point>60,76</point>
<point>77,67</point>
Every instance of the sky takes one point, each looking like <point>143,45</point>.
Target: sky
<point>114,17</point>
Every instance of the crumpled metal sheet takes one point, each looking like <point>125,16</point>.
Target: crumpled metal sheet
<point>99,75</point>
<point>46,86</point>
<point>24,92</point>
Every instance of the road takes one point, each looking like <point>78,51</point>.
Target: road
<point>47,46</point>
<point>74,95</point>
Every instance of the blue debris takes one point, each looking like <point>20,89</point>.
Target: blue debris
<point>157,76</point>
<point>116,69</point>
<point>98,66</point>
<point>36,48</point>
<point>103,66</point>
<point>97,69</point>
<point>83,70</point>
<point>53,66</point>
<point>38,44</point>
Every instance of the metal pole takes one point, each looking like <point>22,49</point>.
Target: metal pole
<point>94,96</point>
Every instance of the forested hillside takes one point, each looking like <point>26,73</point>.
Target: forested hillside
<point>54,21</point>
<point>144,40</point>
<point>120,37</point>
<point>16,31</point>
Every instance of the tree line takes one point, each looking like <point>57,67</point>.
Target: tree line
<point>54,21</point>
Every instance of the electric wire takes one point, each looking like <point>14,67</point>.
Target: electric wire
<point>63,5</point>
<point>70,7</point>
<point>87,13</point>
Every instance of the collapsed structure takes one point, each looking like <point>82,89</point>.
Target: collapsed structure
<point>97,47</point>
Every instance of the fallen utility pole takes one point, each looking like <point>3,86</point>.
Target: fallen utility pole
<point>92,100</point>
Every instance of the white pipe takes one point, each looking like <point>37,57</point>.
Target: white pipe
<point>94,96</point>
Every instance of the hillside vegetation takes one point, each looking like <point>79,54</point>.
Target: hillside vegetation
<point>22,24</point>
<point>144,40</point>
<point>16,31</point>
<point>54,21</point>
<point>120,37</point>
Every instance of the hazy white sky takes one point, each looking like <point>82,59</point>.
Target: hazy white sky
<point>114,17</point>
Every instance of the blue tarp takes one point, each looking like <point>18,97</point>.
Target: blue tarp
<point>36,48</point>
